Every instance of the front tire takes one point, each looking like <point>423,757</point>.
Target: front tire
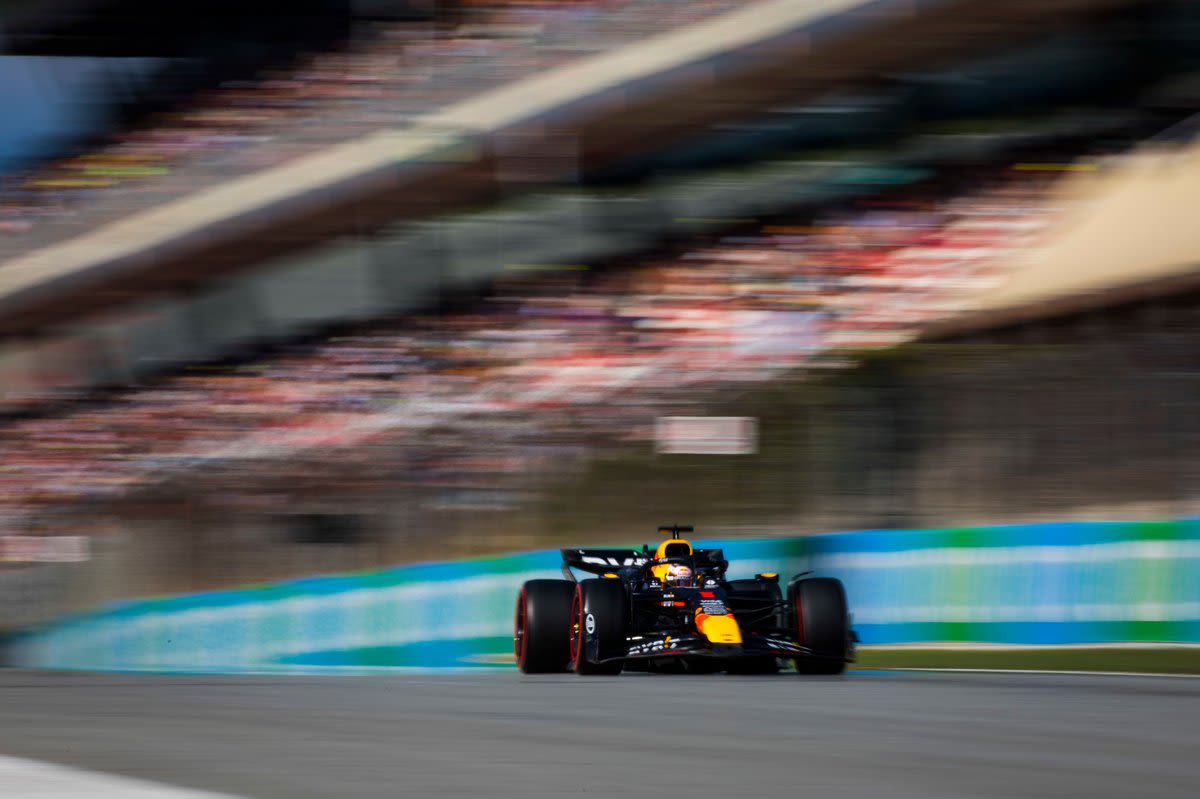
<point>821,623</point>
<point>542,626</point>
<point>599,620</point>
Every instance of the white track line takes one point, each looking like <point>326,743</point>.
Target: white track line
<point>37,779</point>
<point>1042,671</point>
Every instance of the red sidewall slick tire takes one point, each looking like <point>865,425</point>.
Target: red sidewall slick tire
<point>604,601</point>
<point>575,637</point>
<point>821,623</point>
<point>542,624</point>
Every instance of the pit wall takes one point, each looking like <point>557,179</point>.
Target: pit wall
<point>1066,583</point>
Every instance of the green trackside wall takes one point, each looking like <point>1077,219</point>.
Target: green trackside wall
<point>1063,583</point>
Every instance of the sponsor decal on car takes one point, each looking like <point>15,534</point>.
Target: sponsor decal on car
<point>589,624</point>
<point>779,644</point>
<point>641,647</point>
<point>596,560</point>
<point>647,648</point>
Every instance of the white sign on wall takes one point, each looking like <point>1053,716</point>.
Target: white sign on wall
<point>706,435</point>
<point>44,549</point>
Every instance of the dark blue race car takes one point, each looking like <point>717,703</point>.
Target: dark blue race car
<point>673,609</point>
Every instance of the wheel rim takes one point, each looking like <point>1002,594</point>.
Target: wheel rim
<point>576,628</point>
<point>519,630</point>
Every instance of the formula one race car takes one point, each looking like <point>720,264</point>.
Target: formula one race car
<point>674,610</point>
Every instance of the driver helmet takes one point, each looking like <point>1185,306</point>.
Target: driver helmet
<point>678,574</point>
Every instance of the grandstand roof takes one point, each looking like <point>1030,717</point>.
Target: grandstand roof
<point>615,103</point>
<point>140,28</point>
<point>1130,235</point>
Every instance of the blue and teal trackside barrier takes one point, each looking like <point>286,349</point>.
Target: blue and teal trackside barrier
<point>1069,583</point>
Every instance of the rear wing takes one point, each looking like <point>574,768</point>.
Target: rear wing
<point>602,561</point>
<point>625,561</point>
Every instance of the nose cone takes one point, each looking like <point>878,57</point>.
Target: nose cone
<point>719,629</point>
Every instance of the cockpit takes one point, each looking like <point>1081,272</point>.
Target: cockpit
<point>676,564</point>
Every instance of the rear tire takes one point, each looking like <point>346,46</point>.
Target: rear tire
<point>821,623</point>
<point>605,604</point>
<point>542,626</point>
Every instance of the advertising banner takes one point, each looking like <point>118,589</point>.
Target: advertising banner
<point>1069,583</point>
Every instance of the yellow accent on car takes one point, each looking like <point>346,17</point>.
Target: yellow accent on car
<point>678,547</point>
<point>719,629</point>
<point>610,575</point>
<point>768,575</point>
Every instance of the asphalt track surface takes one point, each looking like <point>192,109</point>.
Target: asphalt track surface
<point>497,733</point>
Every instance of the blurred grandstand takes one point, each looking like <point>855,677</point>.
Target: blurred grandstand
<point>386,75</point>
<point>426,291</point>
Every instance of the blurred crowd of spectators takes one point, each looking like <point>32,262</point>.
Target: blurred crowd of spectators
<point>553,364</point>
<point>386,77</point>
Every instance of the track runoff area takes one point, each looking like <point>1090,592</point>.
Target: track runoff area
<point>499,733</point>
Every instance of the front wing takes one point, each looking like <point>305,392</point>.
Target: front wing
<point>689,644</point>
